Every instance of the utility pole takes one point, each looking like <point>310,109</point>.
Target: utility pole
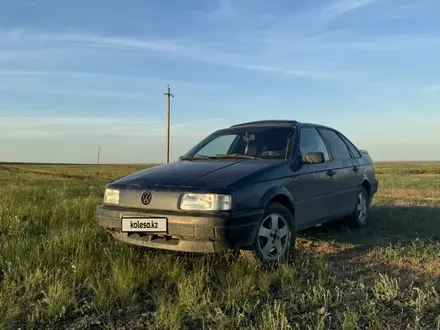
<point>99,151</point>
<point>167,143</point>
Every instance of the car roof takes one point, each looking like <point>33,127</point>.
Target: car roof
<point>261,123</point>
<point>277,123</point>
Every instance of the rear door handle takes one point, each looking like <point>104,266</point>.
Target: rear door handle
<point>355,169</point>
<point>331,172</point>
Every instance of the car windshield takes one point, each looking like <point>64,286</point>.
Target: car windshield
<point>250,143</point>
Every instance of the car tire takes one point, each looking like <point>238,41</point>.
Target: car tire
<point>361,213</point>
<point>275,238</point>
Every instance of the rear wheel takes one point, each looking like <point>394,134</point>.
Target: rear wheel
<point>276,236</point>
<point>360,216</point>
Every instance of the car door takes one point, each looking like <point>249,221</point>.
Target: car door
<point>342,166</point>
<point>359,169</point>
<point>312,188</point>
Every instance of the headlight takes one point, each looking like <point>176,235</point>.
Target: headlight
<point>205,202</point>
<point>111,196</point>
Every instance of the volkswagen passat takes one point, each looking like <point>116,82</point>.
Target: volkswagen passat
<point>248,187</point>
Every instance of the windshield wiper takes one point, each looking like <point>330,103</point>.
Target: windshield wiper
<point>196,157</point>
<point>239,156</point>
<point>218,156</point>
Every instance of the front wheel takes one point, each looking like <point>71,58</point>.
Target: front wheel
<point>276,236</point>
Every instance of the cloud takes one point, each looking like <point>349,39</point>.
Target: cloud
<point>20,37</point>
<point>26,45</point>
<point>343,7</point>
<point>40,126</point>
<point>21,2</point>
<point>97,93</point>
<point>119,79</point>
<point>297,53</point>
<point>86,39</point>
<point>106,127</point>
<point>75,139</point>
<point>297,56</point>
<point>224,9</point>
<point>100,86</point>
<point>288,72</point>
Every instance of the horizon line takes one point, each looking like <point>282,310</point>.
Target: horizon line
<point>163,163</point>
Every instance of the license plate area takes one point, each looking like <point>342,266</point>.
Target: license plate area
<point>144,225</point>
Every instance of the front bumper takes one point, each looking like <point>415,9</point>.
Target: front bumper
<point>187,232</point>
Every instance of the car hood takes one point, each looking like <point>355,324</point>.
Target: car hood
<point>204,173</point>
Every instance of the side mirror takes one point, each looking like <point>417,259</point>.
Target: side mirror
<point>314,158</point>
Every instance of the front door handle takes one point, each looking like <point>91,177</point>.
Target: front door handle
<point>331,172</point>
<point>355,169</point>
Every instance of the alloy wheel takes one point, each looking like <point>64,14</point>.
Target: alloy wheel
<point>273,237</point>
<point>362,208</point>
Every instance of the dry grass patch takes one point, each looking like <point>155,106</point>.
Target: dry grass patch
<point>411,193</point>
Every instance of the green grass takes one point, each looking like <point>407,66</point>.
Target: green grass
<point>59,270</point>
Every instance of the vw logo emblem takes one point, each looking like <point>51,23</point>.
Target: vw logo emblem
<point>146,198</point>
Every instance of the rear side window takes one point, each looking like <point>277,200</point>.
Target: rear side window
<point>337,146</point>
<point>311,141</point>
<point>353,149</point>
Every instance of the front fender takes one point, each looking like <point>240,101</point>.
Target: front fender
<point>276,191</point>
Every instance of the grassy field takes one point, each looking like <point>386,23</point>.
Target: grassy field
<point>59,270</point>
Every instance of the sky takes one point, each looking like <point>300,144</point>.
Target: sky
<point>75,75</point>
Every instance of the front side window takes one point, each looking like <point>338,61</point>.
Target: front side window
<point>253,142</point>
<point>310,141</point>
